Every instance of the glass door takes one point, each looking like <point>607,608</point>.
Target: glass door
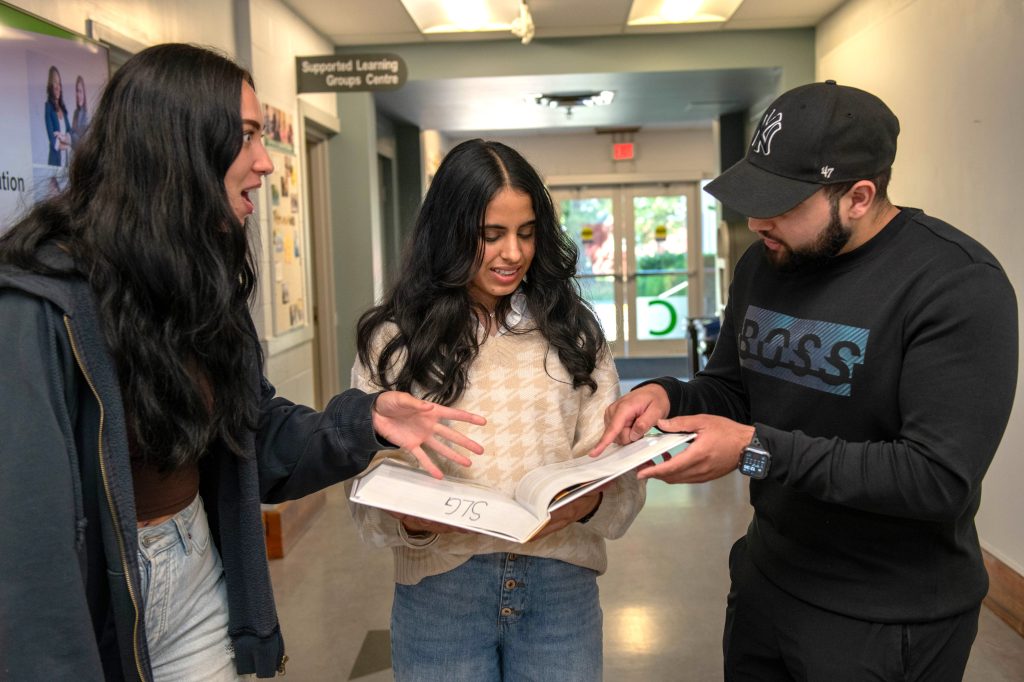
<point>662,289</point>
<point>634,266</point>
<point>588,216</point>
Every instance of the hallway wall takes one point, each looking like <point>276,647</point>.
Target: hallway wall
<point>206,22</point>
<point>276,35</point>
<point>959,97</point>
<point>264,36</point>
<point>791,50</point>
<point>683,154</point>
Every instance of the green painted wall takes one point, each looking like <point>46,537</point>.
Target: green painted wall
<point>355,213</point>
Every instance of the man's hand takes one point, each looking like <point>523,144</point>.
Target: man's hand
<point>411,423</point>
<point>632,415</point>
<point>572,512</point>
<point>714,453</point>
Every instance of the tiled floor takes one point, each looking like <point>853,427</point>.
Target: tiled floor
<point>663,595</point>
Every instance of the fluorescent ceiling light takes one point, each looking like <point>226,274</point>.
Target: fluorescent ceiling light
<point>461,16</point>
<point>655,12</point>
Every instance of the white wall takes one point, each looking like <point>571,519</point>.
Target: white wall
<point>278,36</point>
<point>950,70</point>
<point>205,22</point>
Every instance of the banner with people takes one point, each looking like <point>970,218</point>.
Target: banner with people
<point>51,78</point>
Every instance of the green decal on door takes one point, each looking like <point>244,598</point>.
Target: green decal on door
<point>672,317</point>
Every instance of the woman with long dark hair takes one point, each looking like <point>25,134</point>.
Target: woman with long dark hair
<point>138,434</point>
<point>58,127</point>
<point>487,316</point>
<point>80,119</point>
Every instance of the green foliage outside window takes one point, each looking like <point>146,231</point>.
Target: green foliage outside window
<point>653,285</point>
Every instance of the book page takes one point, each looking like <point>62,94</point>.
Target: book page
<point>539,491</point>
<point>396,486</point>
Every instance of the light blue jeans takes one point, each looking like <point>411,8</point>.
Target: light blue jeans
<point>185,600</point>
<point>499,617</point>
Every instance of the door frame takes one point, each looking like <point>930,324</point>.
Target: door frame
<point>318,128</point>
<point>694,285</point>
<point>624,258</point>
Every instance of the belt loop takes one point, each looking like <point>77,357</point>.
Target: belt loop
<point>186,536</point>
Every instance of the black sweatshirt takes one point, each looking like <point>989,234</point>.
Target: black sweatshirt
<point>881,384</point>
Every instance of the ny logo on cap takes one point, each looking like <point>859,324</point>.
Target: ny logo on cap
<point>770,124</point>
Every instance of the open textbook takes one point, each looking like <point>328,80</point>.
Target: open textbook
<point>399,487</point>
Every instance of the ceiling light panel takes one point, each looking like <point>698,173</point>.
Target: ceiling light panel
<point>462,16</point>
<point>659,12</point>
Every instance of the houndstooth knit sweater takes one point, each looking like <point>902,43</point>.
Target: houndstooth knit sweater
<point>534,417</point>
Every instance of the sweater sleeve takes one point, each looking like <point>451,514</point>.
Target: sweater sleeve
<point>46,631</point>
<point>625,497</point>
<point>376,527</point>
<point>955,391</point>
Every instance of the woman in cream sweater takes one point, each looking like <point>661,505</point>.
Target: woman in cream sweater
<point>487,317</point>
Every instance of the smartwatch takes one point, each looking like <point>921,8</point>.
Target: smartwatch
<point>755,460</point>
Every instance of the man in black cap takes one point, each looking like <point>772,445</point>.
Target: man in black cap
<point>863,379</point>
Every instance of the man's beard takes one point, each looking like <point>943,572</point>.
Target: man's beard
<point>830,242</point>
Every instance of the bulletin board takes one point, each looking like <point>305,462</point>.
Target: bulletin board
<point>288,256</point>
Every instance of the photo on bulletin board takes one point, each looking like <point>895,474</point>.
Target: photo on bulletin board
<point>287,246</point>
<point>277,126</point>
<point>51,80</point>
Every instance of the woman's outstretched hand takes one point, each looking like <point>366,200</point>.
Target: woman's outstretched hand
<point>411,423</point>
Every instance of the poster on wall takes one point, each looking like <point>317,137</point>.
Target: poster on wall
<point>51,81</point>
<point>277,126</point>
<point>287,247</point>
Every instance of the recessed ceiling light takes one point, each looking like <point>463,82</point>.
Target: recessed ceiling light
<point>461,16</point>
<point>656,12</point>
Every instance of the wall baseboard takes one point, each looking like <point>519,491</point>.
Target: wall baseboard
<point>285,522</point>
<point>1005,593</point>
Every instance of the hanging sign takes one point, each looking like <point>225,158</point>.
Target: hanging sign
<point>350,73</point>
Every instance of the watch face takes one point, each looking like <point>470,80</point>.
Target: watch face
<point>755,464</point>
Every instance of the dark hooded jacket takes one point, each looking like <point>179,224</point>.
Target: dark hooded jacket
<point>70,605</point>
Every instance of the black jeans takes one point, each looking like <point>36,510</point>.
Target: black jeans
<point>771,635</point>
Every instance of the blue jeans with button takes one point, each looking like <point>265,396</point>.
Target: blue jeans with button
<point>185,600</point>
<point>499,617</point>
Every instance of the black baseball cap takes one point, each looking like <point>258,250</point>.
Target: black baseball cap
<point>813,135</point>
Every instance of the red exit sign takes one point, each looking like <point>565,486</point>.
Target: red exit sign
<point>623,151</point>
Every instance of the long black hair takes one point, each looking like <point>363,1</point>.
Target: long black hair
<point>51,96</point>
<point>147,221</point>
<point>430,303</point>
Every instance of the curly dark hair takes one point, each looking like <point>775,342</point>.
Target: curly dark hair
<point>147,221</point>
<point>430,302</point>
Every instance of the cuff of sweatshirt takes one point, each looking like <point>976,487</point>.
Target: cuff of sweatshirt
<point>779,445</point>
<point>352,414</point>
<point>385,443</point>
<point>673,388</point>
